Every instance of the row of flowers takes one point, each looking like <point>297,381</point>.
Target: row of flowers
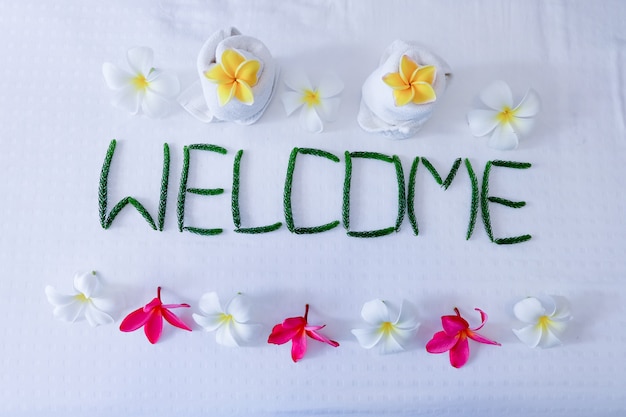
<point>545,317</point>
<point>238,78</point>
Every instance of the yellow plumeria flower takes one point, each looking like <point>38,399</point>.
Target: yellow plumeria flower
<point>412,84</point>
<point>235,76</point>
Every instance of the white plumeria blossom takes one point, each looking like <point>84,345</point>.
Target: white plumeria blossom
<point>319,104</point>
<point>391,334</point>
<point>503,120</point>
<point>88,301</point>
<point>547,318</point>
<point>144,87</point>
<point>231,324</point>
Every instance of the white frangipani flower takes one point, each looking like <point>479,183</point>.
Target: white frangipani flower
<point>230,323</point>
<point>389,333</point>
<point>547,318</point>
<point>144,87</point>
<point>318,104</point>
<point>88,301</point>
<point>505,121</point>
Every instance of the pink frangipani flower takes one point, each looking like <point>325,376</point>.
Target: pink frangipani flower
<point>151,318</point>
<point>454,337</point>
<point>297,329</point>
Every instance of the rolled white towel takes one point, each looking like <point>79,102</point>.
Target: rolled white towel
<point>384,109</point>
<point>237,79</point>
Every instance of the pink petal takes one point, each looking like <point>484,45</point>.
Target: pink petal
<point>154,326</point>
<point>454,324</point>
<point>314,335</point>
<point>281,335</point>
<point>459,354</point>
<point>298,347</point>
<point>151,305</point>
<point>175,305</point>
<point>483,318</point>
<point>441,342</point>
<point>134,320</point>
<point>172,319</point>
<point>480,339</point>
<point>294,322</point>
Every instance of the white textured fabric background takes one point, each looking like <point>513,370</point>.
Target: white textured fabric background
<point>56,123</point>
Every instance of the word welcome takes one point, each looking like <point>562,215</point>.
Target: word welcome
<point>480,198</point>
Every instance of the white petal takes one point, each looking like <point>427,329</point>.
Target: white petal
<point>96,317</point>
<point>368,338</point>
<point>225,337</point>
<point>140,59</point>
<point>70,312</point>
<point>155,106</point>
<point>210,304</point>
<point>163,83</point>
<point>291,101</point>
<point>298,81</point>
<point>407,319</point>
<point>329,108</point>
<point>128,99</point>
<point>243,332</point>
<point>390,345</point>
<point>239,308</point>
<point>106,304</point>
<point>86,283</point>
<point>557,327</point>
<point>549,339</point>
<point>115,77</point>
<point>529,106</point>
<point>529,335</point>
<point>503,138</point>
<point>310,120</point>
<point>529,310</point>
<point>522,126</point>
<point>375,312</point>
<point>57,299</point>
<point>562,310</point>
<point>330,86</point>
<point>209,323</point>
<point>481,122</point>
<point>497,96</point>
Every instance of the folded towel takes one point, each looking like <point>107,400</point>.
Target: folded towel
<point>397,103</point>
<point>237,79</point>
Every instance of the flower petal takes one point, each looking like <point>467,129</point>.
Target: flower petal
<point>128,99</point>
<point>243,332</point>
<point>390,345</point>
<point>529,106</point>
<point>56,298</point>
<point>70,312</point>
<point>281,335</point>
<point>403,335</point>
<point>134,320</point>
<point>298,347</point>
<point>321,338</point>
<point>549,340</point>
<point>298,81</point>
<point>368,338</point>
<point>291,101</point>
<point>454,324</point>
<point>529,335</point>
<point>482,122</point>
<point>375,312</point>
<point>224,335</point>
<point>403,97</point>
<point>153,326</point>
<point>86,283</point>
<point>481,339</point>
<point>216,74</point>
<point>247,72</point>
<point>497,96</point>
<point>407,68</point>
<point>562,310</point>
<point>330,86</point>
<point>407,319</point>
<point>441,342</point>
<point>243,92</point>
<point>173,319</point>
<point>114,77</point>
<point>522,126</point>
<point>425,74</point>
<point>483,319</point>
<point>163,83</point>
<point>209,304</point>
<point>231,60</point>
<point>225,92</point>
<point>529,310</point>
<point>96,317</point>
<point>140,59</point>
<point>329,108</point>
<point>103,303</point>
<point>503,138</point>
<point>155,106</point>
<point>395,81</point>
<point>310,120</point>
<point>423,93</point>
<point>210,323</point>
<point>459,354</point>
<point>239,308</point>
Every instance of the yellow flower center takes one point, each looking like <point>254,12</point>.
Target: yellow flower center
<point>386,327</point>
<point>311,98</point>
<point>544,321</point>
<point>81,298</point>
<point>506,116</point>
<point>225,318</point>
<point>140,82</point>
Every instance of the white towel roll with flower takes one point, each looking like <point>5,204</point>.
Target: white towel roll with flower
<point>237,79</point>
<point>400,95</point>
